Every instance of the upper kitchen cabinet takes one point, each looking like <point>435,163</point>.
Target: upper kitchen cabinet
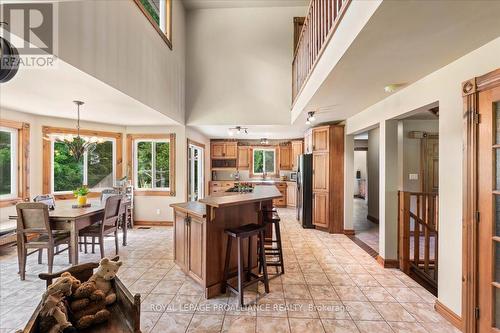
<point>297,150</point>
<point>285,155</point>
<point>224,150</point>
<point>320,139</point>
<point>308,144</point>
<point>243,158</point>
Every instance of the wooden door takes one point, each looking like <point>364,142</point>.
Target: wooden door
<point>489,211</point>
<point>217,150</point>
<point>180,251</point>
<point>285,157</point>
<point>320,172</point>
<point>196,249</point>
<point>291,194</point>
<point>320,209</point>
<point>231,150</point>
<point>430,165</point>
<point>296,152</point>
<point>243,158</point>
<point>321,139</point>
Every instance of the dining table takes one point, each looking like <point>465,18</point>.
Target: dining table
<point>65,217</point>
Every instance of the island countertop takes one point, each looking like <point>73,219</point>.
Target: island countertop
<point>191,207</point>
<point>260,193</point>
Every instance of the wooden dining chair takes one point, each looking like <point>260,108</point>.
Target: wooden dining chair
<point>107,227</point>
<point>35,231</point>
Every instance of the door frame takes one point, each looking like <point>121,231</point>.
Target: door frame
<point>202,146</point>
<point>470,93</point>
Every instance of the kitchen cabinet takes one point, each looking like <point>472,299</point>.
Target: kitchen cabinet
<point>180,249</point>
<point>285,156</point>
<point>188,245</point>
<point>320,139</point>
<point>224,150</point>
<point>281,202</point>
<point>220,186</point>
<point>291,194</point>
<point>321,209</point>
<point>308,142</point>
<point>243,158</point>
<point>297,150</point>
<point>320,172</point>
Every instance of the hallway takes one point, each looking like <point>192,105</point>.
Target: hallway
<point>366,231</point>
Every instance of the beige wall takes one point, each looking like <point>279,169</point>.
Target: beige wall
<point>239,65</point>
<point>145,207</point>
<point>443,86</point>
<point>372,159</point>
<point>359,165</point>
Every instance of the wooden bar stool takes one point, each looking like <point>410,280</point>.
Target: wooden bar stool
<point>240,233</point>
<point>272,246</point>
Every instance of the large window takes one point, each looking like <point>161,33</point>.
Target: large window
<point>8,163</point>
<point>159,13</point>
<point>151,163</point>
<point>96,168</point>
<point>264,161</point>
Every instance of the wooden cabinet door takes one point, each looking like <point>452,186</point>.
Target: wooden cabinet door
<point>291,195</point>
<point>231,150</point>
<point>285,157</point>
<point>308,142</point>
<point>243,158</point>
<point>320,209</point>
<point>320,171</point>
<point>217,150</point>
<point>321,139</point>
<point>180,239</point>
<point>196,250</point>
<point>296,152</point>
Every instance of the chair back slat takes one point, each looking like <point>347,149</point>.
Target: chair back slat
<point>47,199</point>
<point>33,215</point>
<point>112,210</point>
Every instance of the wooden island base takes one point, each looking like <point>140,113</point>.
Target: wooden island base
<point>199,238</point>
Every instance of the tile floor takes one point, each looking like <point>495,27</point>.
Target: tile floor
<point>366,231</point>
<point>330,285</point>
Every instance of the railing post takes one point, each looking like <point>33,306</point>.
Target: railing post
<point>404,231</point>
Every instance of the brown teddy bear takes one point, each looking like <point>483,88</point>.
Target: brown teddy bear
<point>54,314</point>
<point>75,283</point>
<point>102,277</point>
<point>88,306</point>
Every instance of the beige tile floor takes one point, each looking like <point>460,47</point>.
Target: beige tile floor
<point>330,285</point>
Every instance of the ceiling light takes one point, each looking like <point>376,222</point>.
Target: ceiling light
<point>264,141</point>
<point>237,130</point>
<point>311,116</point>
<point>393,87</point>
<point>230,132</point>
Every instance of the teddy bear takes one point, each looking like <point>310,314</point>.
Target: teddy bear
<point>102,277</point>
<point>88,306</point>
<point>75,283</point>
<point>54,314</point>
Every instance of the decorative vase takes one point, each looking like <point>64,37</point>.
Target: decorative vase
<point>81,200</point>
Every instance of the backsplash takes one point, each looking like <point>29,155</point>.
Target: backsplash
<point>244,175</point>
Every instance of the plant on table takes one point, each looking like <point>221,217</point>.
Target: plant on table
<point>81,195</point>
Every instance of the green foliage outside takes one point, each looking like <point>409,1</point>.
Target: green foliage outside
<point>145,151</point>
<point>151,10</point>
<point>263,159</point>
<point>5,160</point>
<point>100,165</point>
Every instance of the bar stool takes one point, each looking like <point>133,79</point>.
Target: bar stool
<point>273,247</point>
<point>240,233</point>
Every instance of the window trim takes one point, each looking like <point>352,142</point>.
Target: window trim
<point>131,139</point>
<point>22,161</point>
<point>48,157</point>
<point>153,164</point>
<point>263,166</point>
<point>165,35</point>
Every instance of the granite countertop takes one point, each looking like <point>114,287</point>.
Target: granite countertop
<point>260,193</point>
<point>191,207</point>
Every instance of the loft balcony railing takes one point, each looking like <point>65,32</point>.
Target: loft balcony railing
<point>320,24</point>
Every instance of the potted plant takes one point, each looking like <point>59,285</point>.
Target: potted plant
<point>81,195</point>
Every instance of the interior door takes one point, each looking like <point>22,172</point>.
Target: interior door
<point>430,161</point>
<point>489,211</point>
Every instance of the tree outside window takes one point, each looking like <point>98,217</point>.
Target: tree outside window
<point>263,161</point>
<point>152,164</point>
<point>8,162</point>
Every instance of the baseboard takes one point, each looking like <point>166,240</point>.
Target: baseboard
<point>349,232</point>
<point>372,219</point>
<point>153,223</point>
<point>449,315</point>
<point>388,263</point>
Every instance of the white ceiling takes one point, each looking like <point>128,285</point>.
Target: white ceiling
<point>50,92</point>
<point>208,4</point>
<point>254,131</point>
<point>403,42</point>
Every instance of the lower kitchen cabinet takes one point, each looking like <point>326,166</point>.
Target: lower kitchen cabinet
<point>321,209</point>
<point>291,194</point>
<point>188,246</point>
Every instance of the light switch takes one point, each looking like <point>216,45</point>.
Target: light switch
<point>413,176</point>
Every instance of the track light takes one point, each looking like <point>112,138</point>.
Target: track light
<point>237,130</point>
<point>264,141</point>
<point>310,118</point>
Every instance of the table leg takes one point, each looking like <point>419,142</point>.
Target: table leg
<point>124,228</point>
<point>74,243</point>
<point>19,251</point>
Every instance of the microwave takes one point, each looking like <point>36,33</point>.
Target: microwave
<point>293,176</point>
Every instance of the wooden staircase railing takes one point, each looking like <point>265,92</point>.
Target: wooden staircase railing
<point>320,23</point>
<point>418,236</point>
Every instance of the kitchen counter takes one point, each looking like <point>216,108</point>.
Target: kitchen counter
<point>191,207</point>
<point>260,193</point>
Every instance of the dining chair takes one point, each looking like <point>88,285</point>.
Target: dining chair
<point>108,225</point>
<point>35,231</point>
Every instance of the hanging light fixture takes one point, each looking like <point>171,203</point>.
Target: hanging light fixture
<point>78,145</point>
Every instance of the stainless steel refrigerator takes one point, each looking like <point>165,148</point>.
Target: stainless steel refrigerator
<point>304,190</point>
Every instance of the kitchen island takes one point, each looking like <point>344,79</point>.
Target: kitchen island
<point>199,238</point>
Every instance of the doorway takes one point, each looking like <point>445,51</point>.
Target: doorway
<point>196,174</point>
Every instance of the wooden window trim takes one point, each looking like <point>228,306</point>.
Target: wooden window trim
<point>130,167</point>
<point>276,160</point>
<point>23,161</point>
<point>47,167</point>
<point>166,36</point>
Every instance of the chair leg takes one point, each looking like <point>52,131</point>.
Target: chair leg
<point>50,258</point>
<point>69,253</point>
<point>263,260</point>
<point>240,270</point>
<point>93,244</point>
<point>226,264</point>
<point>80,245</point>
<point>278,239</point>
<point>116,242</point>
<point>22,264</point>
<point>40,253</point>
<point>85,243</point>
<point>249,263</point>
<point>101,245</point>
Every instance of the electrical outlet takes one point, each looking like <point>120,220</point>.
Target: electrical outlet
<point>158,211</point>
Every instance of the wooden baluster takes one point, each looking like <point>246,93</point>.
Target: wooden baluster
<point>404,229</point>
<point>416,241</point>
<point>427,234</point>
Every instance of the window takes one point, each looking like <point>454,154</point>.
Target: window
<point>159,13</point>
<point>96,169</point>
<point>151,163</point>
<point>196,175</point>
<point>8,163</point>
<point>264,161</point>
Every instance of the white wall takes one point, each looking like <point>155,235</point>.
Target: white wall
<point>443,86</point>
<point>359,165</point>
<point>113,41</point>
<point>239,65</point>
<point>372,158</point>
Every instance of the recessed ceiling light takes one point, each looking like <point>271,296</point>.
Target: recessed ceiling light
<point>393,87</point>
